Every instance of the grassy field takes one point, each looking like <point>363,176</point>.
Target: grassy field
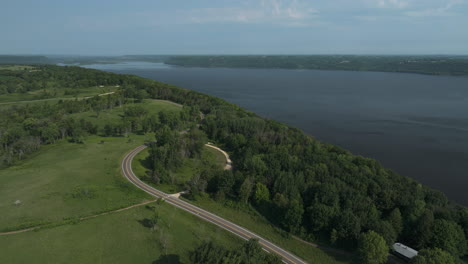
<point>116,238</point>
<point>210,157</point>
<point>115,114</point>
<point>67,180</point>
<point>54,94</point>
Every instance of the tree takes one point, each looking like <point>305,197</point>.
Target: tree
<point>245,190</point>
<point>433,256</point>
<point>348,225</point>
<point>293,218</point>
<point>255,165</point>
<point>252,253</point>
<point>261,193</point>
<point>153,220</point>
<point>207,253</point>
<point>396,220</point>
<point>49,133</point>
<point>386,230</point>
<point>449,236</point>
<point>319,216</point>
<point>108,130</point>
<point>372,248</point>
<point>196,142</point>
<point>422,231</point>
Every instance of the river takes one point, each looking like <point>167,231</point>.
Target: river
<point>416,125</point>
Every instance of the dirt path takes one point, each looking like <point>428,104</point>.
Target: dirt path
<point>81,219</point>
<point>55,99</point>
<point>228,160</point>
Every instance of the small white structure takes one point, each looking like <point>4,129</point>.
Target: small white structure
<point>17,203</point>
<point>404,251</point>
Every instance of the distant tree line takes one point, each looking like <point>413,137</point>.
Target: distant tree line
<point>15,59</point>
<point>434,65</point>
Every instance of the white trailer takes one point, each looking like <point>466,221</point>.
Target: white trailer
<point>404,251</point>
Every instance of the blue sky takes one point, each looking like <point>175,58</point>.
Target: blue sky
<point>105,27</point>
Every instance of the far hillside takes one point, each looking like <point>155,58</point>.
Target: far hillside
<point>433,65</point>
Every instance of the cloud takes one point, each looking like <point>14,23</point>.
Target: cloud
<point>288,12</point>
<point>392,4</point>
<point>438,11</point>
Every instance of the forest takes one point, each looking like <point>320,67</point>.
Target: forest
<point>433,65</point>
<point>310,189</point>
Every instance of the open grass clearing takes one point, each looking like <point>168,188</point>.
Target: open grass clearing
<point>114,115</point>
<point>67,180</point>
<point>54,94</point>
<point>116,238</point>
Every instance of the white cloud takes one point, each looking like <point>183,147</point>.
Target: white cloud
<point>439,11</point>
<point>392,4</point>
<point>290,12</point>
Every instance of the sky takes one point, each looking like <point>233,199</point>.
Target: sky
<point>117,27</point>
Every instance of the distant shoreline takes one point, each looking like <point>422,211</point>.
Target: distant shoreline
<point>437,65</point>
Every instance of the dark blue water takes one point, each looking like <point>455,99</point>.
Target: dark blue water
<point>416,125</point>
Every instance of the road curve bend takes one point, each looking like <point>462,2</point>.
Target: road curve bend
<point>205,215</point>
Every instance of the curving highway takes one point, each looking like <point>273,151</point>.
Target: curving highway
<point>205,215</point>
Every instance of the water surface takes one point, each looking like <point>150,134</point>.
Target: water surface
<point>416,125</point>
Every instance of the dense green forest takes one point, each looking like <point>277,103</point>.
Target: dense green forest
<point>434,65</point>
<point>311,189</point>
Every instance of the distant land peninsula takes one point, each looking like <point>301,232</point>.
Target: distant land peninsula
<point>454,65</point>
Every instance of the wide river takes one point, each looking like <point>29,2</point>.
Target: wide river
<point>417,125</point>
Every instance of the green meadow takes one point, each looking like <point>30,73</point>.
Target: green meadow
<point>116,238</point>
<point>62,183</point>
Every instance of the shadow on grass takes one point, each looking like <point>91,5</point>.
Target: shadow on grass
<point>145,222</point>
<point>168,259</point>
<point>152,208</point>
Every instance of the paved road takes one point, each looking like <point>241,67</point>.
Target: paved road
<point>207,216</point>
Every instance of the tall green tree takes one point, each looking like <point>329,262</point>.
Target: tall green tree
<point>449,236</point>
<point>261,193</point>
<point>292,220</point>
<point>433,256</point>
<point>245,190</point>
<point>372,248</point>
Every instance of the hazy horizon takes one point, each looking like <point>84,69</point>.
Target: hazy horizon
<point>233,54</point>
<point>226,27</point>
